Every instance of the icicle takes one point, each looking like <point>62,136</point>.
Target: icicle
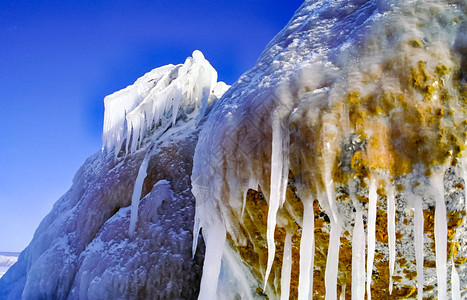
<point>132,112</point>
<point>215,235</point>
<point>307,251</point>
<point>358,256</point>
<point>332,262</point>
<point>373,199</point>
<point>464,177</point>
<point>342,297</point>
<point>440,234</point>
<point>137,192</point>
<point>252,184</point>
<point>286,266</point>
<point>196,228</point>
<point>275,195</point>
<point>455,283</point>
<point>391,213</point>
<point>418,232</point>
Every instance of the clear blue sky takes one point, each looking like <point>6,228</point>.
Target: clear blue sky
<point>59,59</point>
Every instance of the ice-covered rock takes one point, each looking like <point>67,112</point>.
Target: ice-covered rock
<point>95,244</point>
<point>335,168</point>
<point>356,110</point>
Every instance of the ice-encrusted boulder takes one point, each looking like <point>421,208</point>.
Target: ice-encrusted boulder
<point>100,241</point>
<point>336,167</point>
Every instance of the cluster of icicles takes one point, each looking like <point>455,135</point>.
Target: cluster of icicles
<point>362,244</point>
<point>155,99</point>
<point>143,111</point>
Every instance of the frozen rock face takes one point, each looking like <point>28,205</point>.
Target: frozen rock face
<point>100,241</point>
<point>336,166</point>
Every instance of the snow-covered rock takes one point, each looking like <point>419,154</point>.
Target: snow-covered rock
<point>84,248</point>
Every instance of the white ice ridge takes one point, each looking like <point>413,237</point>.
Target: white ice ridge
<point>158,98</point>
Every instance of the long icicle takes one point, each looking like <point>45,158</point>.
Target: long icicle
<point>342,297</point>
<point>440,234</point>
<point>137,190</point>
<point>307,251</point>
<point>286,266</point>
<point>418,232</point>
<point>215,235</point>
<point>455,283</point>
<point>373,198</point>
<point>332,262</point>
<point>391,212</point>
<point>275,194</point>
<point>358,255</point>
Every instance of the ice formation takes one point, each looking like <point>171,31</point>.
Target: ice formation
<point>124,229</point>
<point>135,198</point>
<point>335,169</point>
<point>353,115</point>
<point>157,99</point>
